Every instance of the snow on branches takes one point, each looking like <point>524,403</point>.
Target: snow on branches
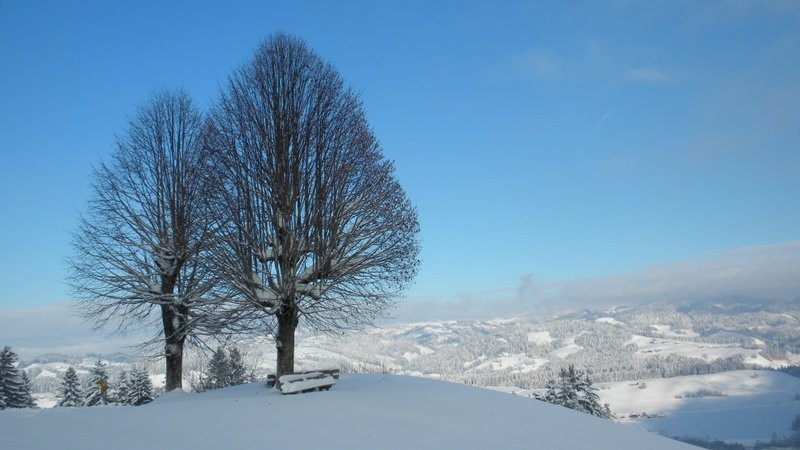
<point>15,388</point>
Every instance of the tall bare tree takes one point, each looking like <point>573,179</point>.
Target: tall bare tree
<point>319,227</point>
<point>138,249</point>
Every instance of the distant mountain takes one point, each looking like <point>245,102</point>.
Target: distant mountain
<point>738,305</point>
<point>615,344</point>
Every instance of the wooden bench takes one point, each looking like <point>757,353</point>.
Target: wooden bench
<point>308,381</point>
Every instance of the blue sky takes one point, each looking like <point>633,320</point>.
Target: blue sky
<point>542,142</point>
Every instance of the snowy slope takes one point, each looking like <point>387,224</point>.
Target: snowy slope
<point>360,412</point>
<point>743,406</point>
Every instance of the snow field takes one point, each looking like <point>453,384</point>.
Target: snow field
<point>649,346</point>
<point>540,337</point>
<point>359,412</point>
<point>742,406</point>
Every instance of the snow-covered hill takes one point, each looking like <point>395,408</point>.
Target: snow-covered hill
<point>613,345</point>
<point>619,344</point>
<point>632,348</point>
<point>360,412</point>
<point>743,406</point>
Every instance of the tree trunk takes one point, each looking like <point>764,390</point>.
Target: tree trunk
<point>173,353</point>
<point>284,342</point>
<point>173,348</point>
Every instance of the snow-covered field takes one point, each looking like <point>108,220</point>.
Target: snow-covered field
<point>649,346</point>
<point>743,406</point>
<point>360,412</point>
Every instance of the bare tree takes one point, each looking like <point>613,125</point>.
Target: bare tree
<point>138,249</point>
<point>319,227</point>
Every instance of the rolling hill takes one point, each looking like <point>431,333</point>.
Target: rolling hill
<point>360,412</point>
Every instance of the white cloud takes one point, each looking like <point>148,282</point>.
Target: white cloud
<point>763,273</point>
<point>591,60</point>
<point>56,328</point>
<point>769,272</point>
<point>462,305</point>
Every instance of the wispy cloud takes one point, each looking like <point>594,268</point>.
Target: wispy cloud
<point>646,75</point>
<point>762,120</point>
<point>55,328</point>
<point>764,273</point>
<point>602,120</point>
<point>539,62</point>
<point>593,60</point>
<point>770,272</point>
<point>461,305</point>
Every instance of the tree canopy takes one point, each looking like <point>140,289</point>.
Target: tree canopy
<point>319,228</point>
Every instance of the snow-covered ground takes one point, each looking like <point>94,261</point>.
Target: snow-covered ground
<point>649,346</point>
<point>519,354</point>
<point>360,412</point>
<point>569,348</point>
<point>517,363</point>
<point>743,406</point>
<point>540,337</point>
<point>609,320</point>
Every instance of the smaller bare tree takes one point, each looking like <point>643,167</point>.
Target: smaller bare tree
<point>138,251</point>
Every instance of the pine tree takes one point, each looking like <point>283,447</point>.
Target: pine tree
<point>223,370</point>
<point>70,391</point>
<point>11,385</point>
<point>96,392</point>
<point>218,370</point>
<point>121,393</point>
<point>555,393</point>
<point>573,389</point>
<point>27,397</point>
<point>141,388</point>
<point>237,370</point>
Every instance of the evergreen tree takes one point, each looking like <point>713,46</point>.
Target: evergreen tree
<point>555,393</point>
<point>96,392</point>
<point>141,388</point>
<point>223,370</point>
<point>70,390</point>
<point>11,385</point>
<point>237,372</point>
<point>121,393</point>
<point>573,389</point>
<point>218,370</point>
<point>27,397</point>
